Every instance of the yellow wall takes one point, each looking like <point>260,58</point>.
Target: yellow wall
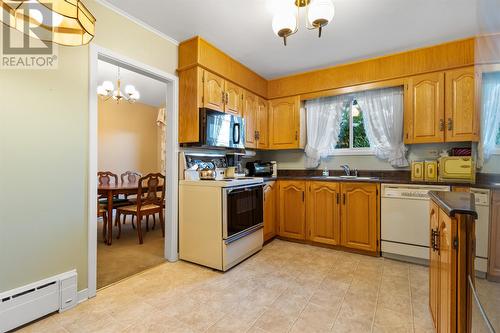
<point>128,138</point>
<point>44,153</point>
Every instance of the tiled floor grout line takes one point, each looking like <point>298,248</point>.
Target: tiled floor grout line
<point>343,298</point>
<point>378,296</point>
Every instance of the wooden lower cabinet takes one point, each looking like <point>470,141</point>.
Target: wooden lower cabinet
<point>360,216</point>
<point>292,209</point>
<point>433,262</point>
<point>270,196</point>
<point>337,214</point>
<point>323,213</point>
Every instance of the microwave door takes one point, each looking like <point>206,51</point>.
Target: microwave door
<point>218,129</point>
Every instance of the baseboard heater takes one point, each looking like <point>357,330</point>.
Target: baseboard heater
<point>25,304</point>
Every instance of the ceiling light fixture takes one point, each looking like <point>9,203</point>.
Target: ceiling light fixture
<point>106,91</point>
<point>285,21</point>
<point>64,22</point>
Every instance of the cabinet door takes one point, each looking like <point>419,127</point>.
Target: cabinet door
<point>250,116</point>
<point>284,123</point>
<point>462,119</point>
<point>447,274</point>
<point>323,213</point>
<point>262,124</point>
<point>292,211</point>
<point>269,210</point>
<point>234,98</point>
<point>494,251</point>
<point>433,263</point>
<point>213,91</point>
<point>424,114</point>
<point>190,101</point>
<point>359,216</point>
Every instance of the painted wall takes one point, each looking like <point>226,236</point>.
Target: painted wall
<point>44,152</point>
<point>128,138</point>
<point>295,159</point>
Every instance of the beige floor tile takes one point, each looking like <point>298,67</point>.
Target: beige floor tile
<point>315,318</point>
<point>388,317</point>
<point>275,321</point>
<point>349,325</point>
<point>407,328</point>
<point>357,308</point>
<point>395,302</point>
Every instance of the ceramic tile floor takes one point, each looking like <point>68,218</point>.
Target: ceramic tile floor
<point>287,287</point>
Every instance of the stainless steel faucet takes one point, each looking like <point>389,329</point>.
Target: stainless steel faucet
<point>347,170</point>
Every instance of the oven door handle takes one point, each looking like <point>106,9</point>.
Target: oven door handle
<point>243,188</point>
<point>243,233</point>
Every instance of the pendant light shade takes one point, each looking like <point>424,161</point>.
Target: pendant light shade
<point>64,22</point>
<point>285,22</point>
<point>320,13</point>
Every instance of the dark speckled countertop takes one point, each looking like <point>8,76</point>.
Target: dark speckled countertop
<point>453,203</point>
<point>483,180</point>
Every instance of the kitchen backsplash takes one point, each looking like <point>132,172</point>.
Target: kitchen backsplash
<point>295,159</point>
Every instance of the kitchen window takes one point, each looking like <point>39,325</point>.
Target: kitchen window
<point>352,139</point>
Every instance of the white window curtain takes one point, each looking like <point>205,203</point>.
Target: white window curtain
<point>383,120</point>
<point>323,118</point>
<point>490,116</point>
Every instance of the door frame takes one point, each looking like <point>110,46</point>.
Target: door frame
<point>172,153</point>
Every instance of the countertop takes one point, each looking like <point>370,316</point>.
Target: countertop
<point>483,180</point>
<point>453,203</point>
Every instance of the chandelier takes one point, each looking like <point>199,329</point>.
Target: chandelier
<point>106,91</point>
<point>285,21</point>
<point>64,22</point>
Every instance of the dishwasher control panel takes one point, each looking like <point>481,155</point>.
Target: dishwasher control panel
<point>409,191</point>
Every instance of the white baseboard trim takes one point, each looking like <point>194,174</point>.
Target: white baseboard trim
<point>83,295</point>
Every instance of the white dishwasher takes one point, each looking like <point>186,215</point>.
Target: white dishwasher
<point>405,221</point>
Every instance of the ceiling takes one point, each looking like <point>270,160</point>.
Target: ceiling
<point>360,29</point>
<point>153,92</point>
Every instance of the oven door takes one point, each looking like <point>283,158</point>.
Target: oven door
<point>242,209</point>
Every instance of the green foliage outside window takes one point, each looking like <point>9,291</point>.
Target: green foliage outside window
<point>360,139</point>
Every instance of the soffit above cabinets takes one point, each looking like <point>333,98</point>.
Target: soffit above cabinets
<point>360,29</point>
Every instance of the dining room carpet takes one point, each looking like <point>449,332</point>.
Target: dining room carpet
<point>126,257</point>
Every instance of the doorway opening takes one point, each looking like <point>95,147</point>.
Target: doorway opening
<point>133,157</point>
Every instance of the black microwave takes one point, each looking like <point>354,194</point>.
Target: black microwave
<point>220,130</point>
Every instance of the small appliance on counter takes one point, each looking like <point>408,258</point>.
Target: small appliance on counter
<point>234,161</point>
<point>457,169</point>
<point>260,169</point>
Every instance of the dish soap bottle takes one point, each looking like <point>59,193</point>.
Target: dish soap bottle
<point>326,172</point>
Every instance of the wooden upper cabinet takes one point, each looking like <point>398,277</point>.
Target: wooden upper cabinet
<point>424,113</point>
<point>270,201</point>
<point>213,91</point>
<point>360,216</point>
<point>233,98</point>
<point>190,100</point>
<point>284,122</point>
<point>262,123</point>
<point>433,262</point>
<point>292,209</point>
<point>462,116</point>
<point>250,116</point>
<point>323,212</point>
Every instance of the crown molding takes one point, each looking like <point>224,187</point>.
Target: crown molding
<point>137,21</point>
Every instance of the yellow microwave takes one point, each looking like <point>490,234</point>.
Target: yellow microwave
<point>457,168</point>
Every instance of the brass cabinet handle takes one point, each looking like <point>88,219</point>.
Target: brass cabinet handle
<point>441,125</point>
<point>227,98</point>
<point>223,96</point>
<point>338,198</point>
<point>435,240</point>
<point>343,198</point>
<point>296,135</point>
<point>450,124</point>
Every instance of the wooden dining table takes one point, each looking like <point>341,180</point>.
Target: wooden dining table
<point>109,191</point>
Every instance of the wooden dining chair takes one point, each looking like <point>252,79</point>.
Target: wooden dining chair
<point>150,199</point>
<point>102,212</point>
<point>130,177</point>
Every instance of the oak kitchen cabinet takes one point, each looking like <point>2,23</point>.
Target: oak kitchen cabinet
<point>256,115</point>
<point>343,214</point>
<point>442,107</point>
<point>360,216</point>
<point>452,249</point>
<point>494,251</point>
<point>292,209</point>
<point>270,201</point>
<point>284,123</point>
<point>323,212</point>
